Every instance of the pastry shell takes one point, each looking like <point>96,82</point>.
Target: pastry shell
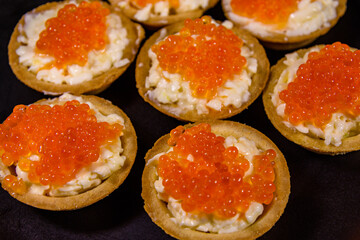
<point>307,141</point>
<point>155,22</point>
<point>135,34</point>
<point>160,215</point>
<point>280,41</point>
<point>129,145</point>
<point>143,64</point>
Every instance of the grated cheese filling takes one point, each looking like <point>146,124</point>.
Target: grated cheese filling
<point>174,90</point>
<point>310,16</point>
<point>110,160</point>
<point>98,61</point>
<point>208,222</point>
<point>163,8</point>
<point>339,125</point>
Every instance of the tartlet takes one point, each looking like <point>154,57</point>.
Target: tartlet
<point>93,181</point>
<point>337,133</point>
<point>306,21</point>
<point>166,14</point>
<point>172,94</point>
<point>186,225</point>
<point>102,65</point>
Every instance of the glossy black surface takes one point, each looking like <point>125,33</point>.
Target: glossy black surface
<point>325,196</point>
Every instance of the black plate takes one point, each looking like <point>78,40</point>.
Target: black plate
<point>325,195</point>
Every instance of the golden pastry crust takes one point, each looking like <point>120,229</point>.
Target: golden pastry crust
<point>129,145</point>
<point>160,215</point>
<point>307,141</point>
<point>279,41</point>
<point>155,22</point>
<point>258,82</point>
<point>135,34</point>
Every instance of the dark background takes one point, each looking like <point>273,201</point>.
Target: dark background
<point>325,197</point>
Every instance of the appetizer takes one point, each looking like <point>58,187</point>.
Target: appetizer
<point>313,98</point>
<point>65,153</point>
<point>201,69</point>
<point>215,180</point>
<point>285,24</point>
<point>75,47</point>
<point>159,13</point>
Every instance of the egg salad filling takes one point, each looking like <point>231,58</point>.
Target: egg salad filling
<point>163,8</point>
<point>170,88</point>
<point>98,62</point>
<point>209,222</point>
<point>334,131</point>
<point>109,161</point>
<point>310,16</point>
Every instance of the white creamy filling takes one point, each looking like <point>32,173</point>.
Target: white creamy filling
<point>310,16</point>
<point>4,171</point>
<point>109,161</point>
<point>339,125</point>
<point>207,222</point>
<point>98,61</point>
<point>163,8</point>
<point>168,89</point>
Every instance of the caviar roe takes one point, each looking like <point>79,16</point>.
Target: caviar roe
<point>73,33</point>
<point>52,144</point>
<point>266,11</point>
<point>204,54</point>
<point>213,181</point>
<point>328,83</point>
<point>14,185</point>
<point>143,3</point>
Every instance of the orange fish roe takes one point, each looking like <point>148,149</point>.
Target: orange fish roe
<point>52,144</point>
<point>206,55</point>
<point>213,182</point>
<point>328,83</point>
<point>143,3</point>
<point>73,33</point>
<point>265,11</point>
<point>13,185</point>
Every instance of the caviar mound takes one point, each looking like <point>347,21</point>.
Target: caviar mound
<point>160,214</point>
<point>197,65</point>
<point>280,39</point>
<point>98,82</point>
<point>69,38</point>
<point>157,21</point>
<point>266,12</point>
<point>94,193</point>
<point>350,142</point>
<point>144,64</point>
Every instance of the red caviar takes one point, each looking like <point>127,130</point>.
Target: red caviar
<point>52,144</point>
<point>73,33</point>
<point>143,3</point>
<point>207,60</point>
<point>213,182</point>
<point>265,11</point>
<point>13,185</point>
<point>328,83</point>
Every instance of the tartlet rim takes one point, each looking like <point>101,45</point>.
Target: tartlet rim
<point>107,186</point>
<point>160,215</point>
<point>259,79</point>
<point>306,141</point>
<point>94,86</point>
